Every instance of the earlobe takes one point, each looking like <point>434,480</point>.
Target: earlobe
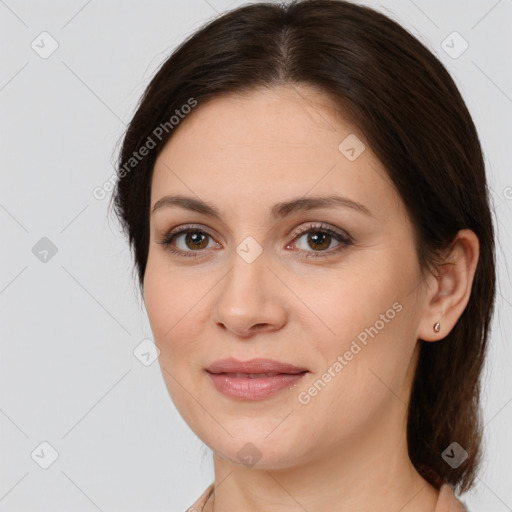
<point>449,296</point>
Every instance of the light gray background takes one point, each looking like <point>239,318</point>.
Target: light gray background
<point>69,326</point>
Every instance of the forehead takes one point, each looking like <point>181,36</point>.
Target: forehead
<point>292,116</point>
<point>281,141</point>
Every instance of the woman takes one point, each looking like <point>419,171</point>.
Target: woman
<point>304,191</point>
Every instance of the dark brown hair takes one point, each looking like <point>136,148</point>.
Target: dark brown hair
<point>411,114</point>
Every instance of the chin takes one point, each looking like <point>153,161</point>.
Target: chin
<point>256,450</point>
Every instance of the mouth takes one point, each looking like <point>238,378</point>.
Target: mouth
<point>264,367</point>
<point>254,375</point>
<point>255,379</point>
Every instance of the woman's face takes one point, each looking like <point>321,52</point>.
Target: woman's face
<point>331,288</point>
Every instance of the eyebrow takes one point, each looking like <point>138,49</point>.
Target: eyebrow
<point>279,210</point>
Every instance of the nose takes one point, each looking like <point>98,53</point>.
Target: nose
<point>250,299</point>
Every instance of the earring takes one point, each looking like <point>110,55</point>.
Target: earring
<point>437,327</point>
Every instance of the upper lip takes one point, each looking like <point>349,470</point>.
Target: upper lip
<point>253,366</point>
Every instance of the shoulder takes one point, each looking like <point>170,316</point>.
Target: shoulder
<point>198,505</point>
<point>447,502</point>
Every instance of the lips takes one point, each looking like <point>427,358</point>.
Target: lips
<point>255,368</point>
<point>256,379</point>
<point>250,375</point>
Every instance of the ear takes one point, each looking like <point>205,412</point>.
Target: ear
<point>449,291</point>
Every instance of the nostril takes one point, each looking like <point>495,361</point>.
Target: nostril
<point>259,327</point>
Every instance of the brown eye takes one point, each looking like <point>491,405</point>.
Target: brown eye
<point>319,240</point>
<point>187,242</point>
<point>196,240</point>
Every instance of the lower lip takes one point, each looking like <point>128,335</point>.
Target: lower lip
<point>253,389</point>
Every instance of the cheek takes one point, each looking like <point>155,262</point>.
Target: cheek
<point>174,308</point>
<point>365,315</point>
<point>344,303</point>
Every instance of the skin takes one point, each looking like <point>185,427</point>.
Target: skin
<point>243,154</point>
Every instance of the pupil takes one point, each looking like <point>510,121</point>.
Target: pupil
<point>321,238</point>
<point>196,238</point>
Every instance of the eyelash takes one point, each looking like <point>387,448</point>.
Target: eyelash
<point>344,239</point>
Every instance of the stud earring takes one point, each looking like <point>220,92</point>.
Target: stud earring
<point>437,327</point>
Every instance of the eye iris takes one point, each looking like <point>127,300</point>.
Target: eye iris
<point>197,239</point>
<point>319,240</point>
